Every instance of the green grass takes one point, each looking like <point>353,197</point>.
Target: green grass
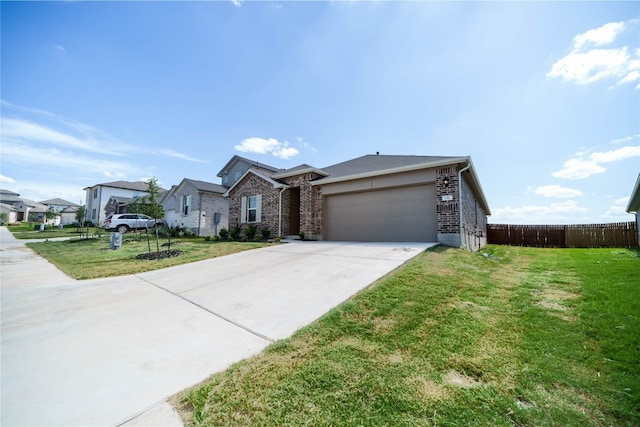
<point>26,231</point>
<point>92,258</point>
<point>527,337</point>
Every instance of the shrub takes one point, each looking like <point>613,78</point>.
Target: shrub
<point>207,238</point>
<point>224,234</point>
<point>235,232</point>
<point>301,234</point>
<point>266,233</point>
<point>251,232</point>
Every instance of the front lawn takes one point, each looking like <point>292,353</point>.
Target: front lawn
<point>512,336</point>
<point>92,258</point>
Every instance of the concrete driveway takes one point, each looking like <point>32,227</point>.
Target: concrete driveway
<point>111,351</point>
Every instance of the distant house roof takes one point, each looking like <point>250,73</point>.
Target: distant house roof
<point>128,185</point>
<point>58,201</point>
<point>8,207</point>
<point>206,186</point>
<point>298,170</point>
<point>8,192</point>
<point>634,200</point>
<point>235,159</point>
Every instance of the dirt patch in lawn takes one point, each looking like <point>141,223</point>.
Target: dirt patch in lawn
<point>160,255</point>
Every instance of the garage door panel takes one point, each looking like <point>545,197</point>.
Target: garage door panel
<point>399,214</point>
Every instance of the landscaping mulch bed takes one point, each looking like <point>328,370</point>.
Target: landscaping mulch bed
<point>160,255</point>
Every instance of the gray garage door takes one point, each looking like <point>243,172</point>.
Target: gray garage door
<point>401,214</point>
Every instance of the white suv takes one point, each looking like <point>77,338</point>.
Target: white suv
<point>125,222</point>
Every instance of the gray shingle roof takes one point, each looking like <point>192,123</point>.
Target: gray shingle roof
<point>58,201</point>
<point>207,186</point>
<point>374,162</point>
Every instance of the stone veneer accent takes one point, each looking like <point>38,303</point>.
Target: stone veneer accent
<point>310,204</point>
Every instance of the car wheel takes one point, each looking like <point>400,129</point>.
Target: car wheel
<point>122,229</point>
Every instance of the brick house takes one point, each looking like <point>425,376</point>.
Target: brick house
<point>634,204</point>
<point>198,205</point>
<point>370,198</point>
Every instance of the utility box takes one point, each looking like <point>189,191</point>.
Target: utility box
<point>216,217</point>
<point>116,241</point>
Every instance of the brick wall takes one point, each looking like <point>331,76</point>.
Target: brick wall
<point>447,204</point>
<point>252,185</point>
<point>310,205</point>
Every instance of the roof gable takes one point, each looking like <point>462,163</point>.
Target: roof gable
<point>58,201</point>
<point>260,175</point>
<point>250,163</point>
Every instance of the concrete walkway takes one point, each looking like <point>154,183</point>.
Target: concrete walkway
<point>111,351</point>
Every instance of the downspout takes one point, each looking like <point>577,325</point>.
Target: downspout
<point>460,197</point>
<point>280,212</point>
<point>199,211</point>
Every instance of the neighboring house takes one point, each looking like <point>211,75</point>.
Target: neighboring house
<point>634,204</point>
<point>68,215</point>
<point>99,200</point>
<point>198,205</point>
<point>11,211</point>
<point>11,198</point>
<point>66,209</point>
<point>370,198</point>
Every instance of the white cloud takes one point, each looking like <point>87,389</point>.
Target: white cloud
<point>625,139</point>
<point>237,3</point>
<point>588,62</point>
<point>61,160</point>
<point>60,48</point>
<point>557,191</point>
<point>265,146</point>
<point>567,212</point>
<point>618,210</point>
<point>583,167</point>
<point>7,179</point>
<point>599,36</point>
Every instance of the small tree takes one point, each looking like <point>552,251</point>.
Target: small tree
<point>81,218</point>
<point>149,205</point>
<point>51,214</point>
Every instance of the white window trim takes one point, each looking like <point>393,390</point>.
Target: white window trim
<point>244,209</point>
<point>186,204</point>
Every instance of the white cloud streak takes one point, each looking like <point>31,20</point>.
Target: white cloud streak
<point>583,167</point>
<point>556,213</point>
<point>7,179</point>
<point>557,191</point>
<point>258,145</point>
<point>588,62</point>
<point>171,153</point>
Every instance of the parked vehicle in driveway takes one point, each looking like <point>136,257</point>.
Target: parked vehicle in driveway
<point>125,222</point>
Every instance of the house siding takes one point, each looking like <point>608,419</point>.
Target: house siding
<point>474,220</point>
<point>202,208</point>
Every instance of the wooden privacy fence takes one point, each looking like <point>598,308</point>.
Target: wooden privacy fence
<point>614,235</point>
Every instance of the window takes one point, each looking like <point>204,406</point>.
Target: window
<point>95,193</point>
<point>93,213</point>
<point>238,175</point>
<point>251,209</point>
<point>186,204</point>
<point>225,179</point>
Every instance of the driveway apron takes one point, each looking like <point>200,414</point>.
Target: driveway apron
<point>111,351</point>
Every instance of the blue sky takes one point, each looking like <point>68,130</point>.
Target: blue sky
<point>544,96</point>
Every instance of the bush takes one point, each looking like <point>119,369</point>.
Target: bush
<point>251,232</point>
<point>301,234</point>
<point>266,233</point>
<point>235,232</point>
<point>224,234</point>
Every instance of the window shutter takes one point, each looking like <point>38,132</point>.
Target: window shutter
<point>259,208</point>
<point>243,211</point>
